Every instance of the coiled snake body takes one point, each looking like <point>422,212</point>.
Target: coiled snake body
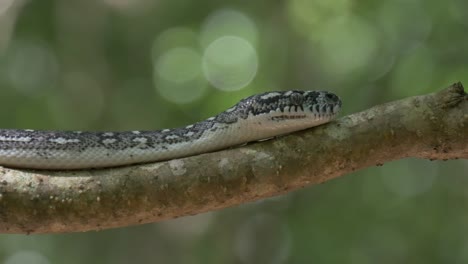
<point>254,118</point>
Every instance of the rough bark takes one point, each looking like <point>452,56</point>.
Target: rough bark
<point>433,126</point>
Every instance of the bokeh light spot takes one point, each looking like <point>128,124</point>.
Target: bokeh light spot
<point>177,75</point>
<point>179,65</point>
<point>23,256</point>
<point>308,15</point>
<point>406,24</point>
<point>31,67</point>
<point>360,48</point>
<point>226,22</point>
<point>5,5</point>
<point>181,92</point>
<point>230,63</point>
<point>172,38</point>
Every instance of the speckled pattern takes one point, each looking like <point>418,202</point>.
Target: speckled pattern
<point>253,118</point>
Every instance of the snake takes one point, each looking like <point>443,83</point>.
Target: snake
<point>258,117</point>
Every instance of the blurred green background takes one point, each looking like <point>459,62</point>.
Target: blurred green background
<point>151,64</point>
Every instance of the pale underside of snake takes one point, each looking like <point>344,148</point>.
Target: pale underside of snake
<point>254,118</point>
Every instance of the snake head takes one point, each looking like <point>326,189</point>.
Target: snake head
<point>322,103</point>
<point>292,104</point>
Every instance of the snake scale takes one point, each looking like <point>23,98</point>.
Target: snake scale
<point>254,118</point>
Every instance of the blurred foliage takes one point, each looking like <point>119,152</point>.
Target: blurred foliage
<point>149,64</point>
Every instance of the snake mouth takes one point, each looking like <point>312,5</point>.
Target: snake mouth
<point>288,117</point>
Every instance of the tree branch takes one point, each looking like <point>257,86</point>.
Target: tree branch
<point>433,126</point>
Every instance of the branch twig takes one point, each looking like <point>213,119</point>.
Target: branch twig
<point>433,126</point>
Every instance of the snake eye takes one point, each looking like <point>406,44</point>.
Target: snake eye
<point>331,97</point>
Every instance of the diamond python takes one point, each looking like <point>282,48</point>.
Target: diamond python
<point>254,118</point>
